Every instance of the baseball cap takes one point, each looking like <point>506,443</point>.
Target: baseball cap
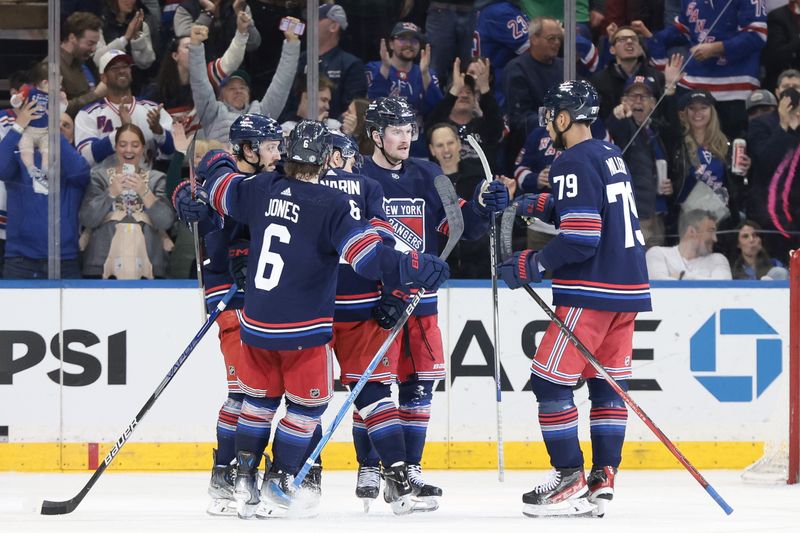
<point>699,96</point>
<point>404,28</point>
<point>112,56</point>
<point>761,97</point>
<point>648,82</point>
<point>240,74</point>
<point>335,13</point>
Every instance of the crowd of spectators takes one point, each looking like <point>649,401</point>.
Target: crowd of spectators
<point>679,82</point>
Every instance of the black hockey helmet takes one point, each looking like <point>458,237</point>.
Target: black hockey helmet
<point>254,128</point>
<point>578,97</point>
<point>390,111</point>
<point>309,142</point>
<point>347,146</point>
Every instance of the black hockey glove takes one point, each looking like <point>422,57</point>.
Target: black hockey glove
<point>237,261</point>
<point>389,310</point>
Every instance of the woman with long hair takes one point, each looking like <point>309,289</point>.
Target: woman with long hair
<point>126,214</point>
<point>752,261</point>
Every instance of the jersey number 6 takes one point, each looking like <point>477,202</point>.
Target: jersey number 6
<point>267,257</point>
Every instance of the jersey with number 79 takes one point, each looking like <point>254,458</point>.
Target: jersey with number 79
<point>298,231</point>
<point>598,258</point>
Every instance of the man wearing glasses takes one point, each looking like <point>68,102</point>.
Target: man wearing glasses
<point>629,61</point>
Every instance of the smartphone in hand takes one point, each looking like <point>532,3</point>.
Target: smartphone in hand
<point>297,27</point>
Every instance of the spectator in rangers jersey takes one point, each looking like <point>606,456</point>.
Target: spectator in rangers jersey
<point>693,257</point>
<point>397,75</point>
<point>277,359</point>
<point>216,116</point>
<point>126,214</point>
<point>600,246</point>
<point>96,124</point>
<point>501,34</point>
<point>725,61</point>
<point>417,216</point>
<point>128,26</point>
<point>629,60</point>
<point>470,106</point>
<point>345,70</point>
<point>26,252</point>
<point>80,33</point>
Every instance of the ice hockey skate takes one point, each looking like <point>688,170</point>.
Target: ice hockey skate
<point>424,495</point>
<point>280,500</point>
<point>368,484</point>
<point>220,488</point>
<point>398,490</point>
<point>245,488</point>
<point>601,487</point>
<point>563,493</point>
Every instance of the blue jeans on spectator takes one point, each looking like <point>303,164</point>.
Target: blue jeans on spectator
<point>449,32</point>
<point>25,268</point>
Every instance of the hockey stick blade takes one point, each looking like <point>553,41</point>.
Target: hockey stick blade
<point>67,506</point>
<point>592,360</point>
<point>455,223</point>
<point>507,231</point>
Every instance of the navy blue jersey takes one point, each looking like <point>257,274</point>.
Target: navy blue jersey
<point>298,232</point>
<point>216,274</point>
<point>416,213</point>
<point>597,259</point>
<point>356,295</point>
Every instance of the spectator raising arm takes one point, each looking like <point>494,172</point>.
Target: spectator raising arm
<point>278,91</point>
<point>139,36</point>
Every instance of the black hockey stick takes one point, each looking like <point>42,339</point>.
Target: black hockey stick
<point>455,222</point>
<point>628,400</point>
<point>65,507</point>
<point>487,172</point>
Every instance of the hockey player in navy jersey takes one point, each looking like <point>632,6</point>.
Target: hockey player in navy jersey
<point>256,142</point>
<point>357,336</point>
<point>415,211</point>
<point>298,231</point>
<point>599,284</point>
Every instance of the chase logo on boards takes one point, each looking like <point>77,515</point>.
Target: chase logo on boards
<point>758,339</point>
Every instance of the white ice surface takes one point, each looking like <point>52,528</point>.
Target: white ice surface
<point>645,501</point>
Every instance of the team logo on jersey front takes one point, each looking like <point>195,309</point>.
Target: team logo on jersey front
<point>407,217</point>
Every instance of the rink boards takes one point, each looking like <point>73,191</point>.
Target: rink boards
<point>709,366</point>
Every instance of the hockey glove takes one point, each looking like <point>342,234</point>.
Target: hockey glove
<point>492,196</point>
<point>215,162</point>
<point>520,269</point>
<point>539,206</point>
<point>238,252</point>
<point>188,209</point>
<point>423,270</point>
<point>389,310</point>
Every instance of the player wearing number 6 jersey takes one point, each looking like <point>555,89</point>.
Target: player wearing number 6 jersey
<point>599,284</point>
<point>298,231</point>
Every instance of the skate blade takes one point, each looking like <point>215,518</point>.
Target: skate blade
<point>424,504</point>
<point>366,503</point>
<point>269,509</point>
<point>246,511</point>
<point>601,501</point>
<point>222,507</point>
<point>578,507</point>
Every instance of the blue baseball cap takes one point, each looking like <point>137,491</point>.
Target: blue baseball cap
<point>648,82</point>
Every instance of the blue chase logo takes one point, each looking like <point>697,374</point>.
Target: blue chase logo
<point>754,330</point>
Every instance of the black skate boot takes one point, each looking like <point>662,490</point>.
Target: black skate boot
<point>424,494</point>
<point>397,491</point>
<point>368,485</point>
<point>220,488</point>
<point>279,498</point>
<point>601,487</point>
<point>564,493</point>
<point>313,480</point>
<point>245,488</point>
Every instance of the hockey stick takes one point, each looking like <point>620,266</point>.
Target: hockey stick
<point>628,400</point>
<point>506,231</point>
<point>65,507</point>
<point>455,222</point>
<point>495,310</point>
<point>646,120</point>
<point>198,255</point>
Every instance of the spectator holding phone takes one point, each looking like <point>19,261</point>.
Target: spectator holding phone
<point>220,18</point>
<point>127,214</point>
<point>774,143</point>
